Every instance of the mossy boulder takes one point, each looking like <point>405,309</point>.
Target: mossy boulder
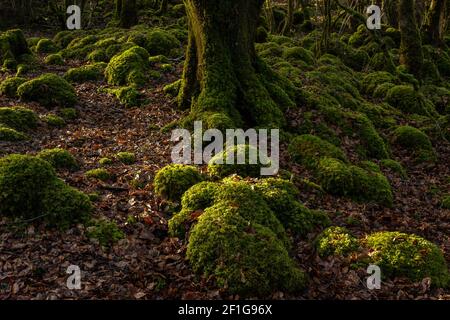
<point>49,90</point>
<point>309,149</point>
<point>91,72</point>
<point>13,47</point>
<point>394,166</point>
<point>46,46</point>
<point>54,59</point>
<point>243,160</point>
<point>375,79</point>
<point>11,135</point>
<point>100,174</point>
<point>406,99</point>
<point>59,158</point>
<point>128,96</point>
<point>172,181</point>
<point>128,68</point>
<point>29,188</point>
<point>54,120</point>
<point>19,118</point>
<point>8,87</point>
<point>336,241</point>
<point>298,53</point>
<point>126,157</point>
<point>416,141</point>
<point>399,254</point>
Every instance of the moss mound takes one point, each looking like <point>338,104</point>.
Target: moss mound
<point>58,158</point>
<point>29,188</point>
<point>48,90</point>
<point>126,157</point>
<point>92,72</point>
<point>406,99</point>
<point>19,118</point>
<point>400,254</point>
<point>100,174</point>
<point>13,48</point>
<point>46,46</point>
<point>54,120</point>
<point>54,59</point>
<point>336,241</point>
<point>128,96</point>
<point>309,149</point>
<point>128,68</point>
<point>172,181</point>
<point>9,86</point>
<point>11,135</point>
<point>414,140</point>
<point>243,160</point>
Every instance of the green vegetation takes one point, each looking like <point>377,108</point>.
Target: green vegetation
<point>8,87</point>
<point>58,158</point>
<point>54,120</point>
<point>126,157</point>
<point>336,241</point>
<point>415,141</point>
<point>91,72</point>
<point>19,118</point>
<point>172,181</point>
<point>105,232</point>
<point>100,174</point>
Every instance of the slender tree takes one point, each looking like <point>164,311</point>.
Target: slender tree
<point>436,21</point>
<point>222,74</point>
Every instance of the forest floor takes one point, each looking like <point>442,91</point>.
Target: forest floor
<point>148,264</point>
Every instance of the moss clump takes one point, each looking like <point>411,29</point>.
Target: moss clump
<point>414,140</point>
<point>106,232</point>
<point>394,166</point>
<point>128,96</point>
<point>309,149</point>
<point>100,174</point>
<point>13,47</point>
<point>406,99</point>
<point>126,157</point>
<point>400,254</point>
<point>68,113</point>
<point>158,59</point>
<point>371,81</point>
<point>19,118</point>
<point>243,255</point>
<point>9,86</point>
<point>9,134</point>
<point>298,53</point>
<point>92,72</point>
<point>159,42</point>
<point>173,89</point>
<point>336,241</point>
<point>200,196</point>
<point>58,158</point>
<point>29,188</point>
<point>128,68</point>
<point>48,90</point>
<point>46,46</point>
<point>105,162</point>
<point>172,181</point>
<point>237,160</point>
<point>446,202</point>
<point>54,59</point>
<point>338,178</point>
<point>54,121</point>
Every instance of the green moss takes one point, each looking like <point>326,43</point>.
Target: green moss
<point>172,89</point>
<point>298,53</point>
<point>29,188</point>
<point>68,113</point>
<point>173,181</point>
<point>100,174</point>
<point>243,255</point>
<point>226,162</point>
<point>58,158</point>
<point>370,166</point>
<point>381,62</point>
<point>128,96</point>
<point>9,134</point>
<point>126,157</point>
<point>19,118</point>
<point>8,87</point>
<point>54,59</point>
<point>400,254</point>
<point>200,196</point>
<point>48,90</point>
<point>308,150</point>
<point>46,46</point>
<point>12,47</point>
<point>336,241</point>
<point>128,67</point>
<point>54,120</point>
<point>414,140</point>
<point>98,55</point>
<point>92,72</point>
<point>161,42</point>
<point>358,38</point>
<point>105,162</point>
<point>446,202</point>
<point>261,35</point>
<point>405,98</point>
<point>372,80</point>
<point>105,232</point>
<point>394,166</point>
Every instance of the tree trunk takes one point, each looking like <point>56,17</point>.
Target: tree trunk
<point>117,9</point>
<point>411,54</point>
<point>391,11</point>
<point>436,21</point>
<point>223,75</point>
<point>128,14</point>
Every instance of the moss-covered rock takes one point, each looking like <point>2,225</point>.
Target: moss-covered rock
<point>13,47</point>
<point>172,181</point>
<point>58,158</point>
<point>126,157</point>
<point>394,166</point>
<point>54,59</point>
<point>336,241</point>
<point>242,255</point>
<point>243,160</point>
<point>405,98</point>
<point>173,89</point>
<point>400,254</point>
<point>100,174</point>
<point>298,53</point>
<point>128,96</point>
<point>309,149</point>
<point>372,80</point>
<point>46,46</point>
<point>92,72</point>
<point>19,118</point>
<point>68,113</point>
<point>29,188</point>
<point>416,141</point>
<point>54,120</point>
<point>8,87</point>
<point>48,90</point>
<point>128,67</point>
<point>9,134</point>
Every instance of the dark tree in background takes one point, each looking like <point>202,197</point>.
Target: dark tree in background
<point>223,75</point>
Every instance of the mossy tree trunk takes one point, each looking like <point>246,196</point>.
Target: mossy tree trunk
<point>128,14</point>
<point>163,6</point>
<point>436,21</point>
<point>117,9</point>
<point>411,54</point>
<point>222,73</point>
<point>390,9</point>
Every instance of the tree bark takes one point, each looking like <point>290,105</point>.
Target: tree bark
<point>411,54</point>
<point>128,14</point>
<point>436,21</point>
<point>222,73</point>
